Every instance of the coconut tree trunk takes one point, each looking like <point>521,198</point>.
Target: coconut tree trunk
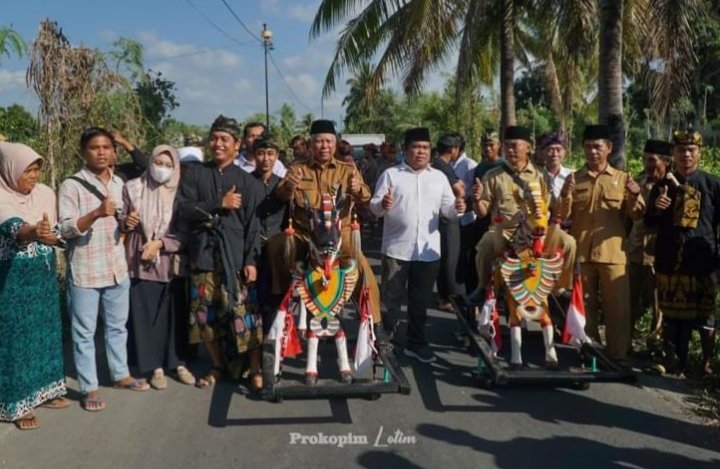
<point>610,80</point>
<point>507,64</point>
<point>552,86</point>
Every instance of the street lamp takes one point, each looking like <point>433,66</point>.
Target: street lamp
<point>266,35</point>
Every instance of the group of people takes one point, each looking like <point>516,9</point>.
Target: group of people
<point>173,250</point>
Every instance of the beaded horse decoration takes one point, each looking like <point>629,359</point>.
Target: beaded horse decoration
<point>318,292</point>
<point>528,273</point>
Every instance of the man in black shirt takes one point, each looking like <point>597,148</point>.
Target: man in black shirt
<point>218,201</point>
<point>448,284</point>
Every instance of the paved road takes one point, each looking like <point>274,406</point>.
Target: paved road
<point>447,421</point>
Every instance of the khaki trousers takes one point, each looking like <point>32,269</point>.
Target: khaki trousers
<point>609,282</point>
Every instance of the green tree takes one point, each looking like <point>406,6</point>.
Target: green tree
<point>11,41</point>
<point>18,125</point>
<point>157,99</point>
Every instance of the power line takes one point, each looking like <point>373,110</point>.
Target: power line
<point>287,86</point>
<point>242,23</point>
<point>214,25</point>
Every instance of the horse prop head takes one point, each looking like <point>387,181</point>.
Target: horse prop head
<point>325,233</point>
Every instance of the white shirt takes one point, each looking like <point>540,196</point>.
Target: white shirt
<point>559,180</point>
<point>464,168</point>
<point>411,226</point>
<point>249,166</point>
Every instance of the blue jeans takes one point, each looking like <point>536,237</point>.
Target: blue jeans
<point>84,304</point>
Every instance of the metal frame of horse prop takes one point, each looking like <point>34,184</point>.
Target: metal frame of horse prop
<point>319,290</point>
<point>528,273</point>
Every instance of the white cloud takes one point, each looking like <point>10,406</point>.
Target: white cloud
<point>156,48</point>
<point>303,84</point>
<point>12,79</point>
<point>304,12</point>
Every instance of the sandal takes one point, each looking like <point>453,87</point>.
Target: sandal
<point>27,422</point>
<point>212,377</point>
<point>138,385</point>
<point>92,403</point>
<point>184,376</point>
<point>57,403</point>
<point>158,380</point>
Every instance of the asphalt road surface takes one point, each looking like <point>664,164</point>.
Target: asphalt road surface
<point>447,421</point>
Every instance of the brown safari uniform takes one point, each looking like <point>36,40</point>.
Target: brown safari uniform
<point>640,247</point>
<point>317,179</point>
<point>503,196</point>
<point>598,208</point>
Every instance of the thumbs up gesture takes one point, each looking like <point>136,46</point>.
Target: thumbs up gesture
<point>569,185</point>
<point>43,231</point>
<point>232,200</point>
<point>387,201</point>
<point>632,186</point>
<point>663,201</point>
<point>107,208</point>
<point>477,190</point>
<point>460,205</point>
<point>133,219</point>
<point>354,183</point>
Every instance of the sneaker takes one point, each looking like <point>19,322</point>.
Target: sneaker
<point>420,352</point>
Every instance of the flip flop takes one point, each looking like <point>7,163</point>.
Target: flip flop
<point>94,404</point>
<point>57,403</point>
<point>210,378</point>
<point>27,422</point>
<point>137,385</point>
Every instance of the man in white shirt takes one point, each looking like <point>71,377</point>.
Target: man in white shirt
<point>246,160</point>
<point>553,148</point>
<point>411,197</point>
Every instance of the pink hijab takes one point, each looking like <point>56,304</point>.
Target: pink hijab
<point>15,158</point>
<point>153,201</point>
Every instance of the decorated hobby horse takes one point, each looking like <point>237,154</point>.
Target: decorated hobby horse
<point>321,285</point>
<point>528,273</point>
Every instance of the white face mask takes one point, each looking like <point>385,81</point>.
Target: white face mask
<point>160,174</point>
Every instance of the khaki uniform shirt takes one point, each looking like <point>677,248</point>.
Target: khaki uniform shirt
<point>640,244</point>
<point>317,179</point>
<point>504,197</point>
<point>599,208</point>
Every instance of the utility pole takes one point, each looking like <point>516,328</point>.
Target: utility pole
<point>267,45</point>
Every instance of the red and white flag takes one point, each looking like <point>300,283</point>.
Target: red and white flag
<point>574,332</point>
<point>488,319</point>
<point>365,345</point>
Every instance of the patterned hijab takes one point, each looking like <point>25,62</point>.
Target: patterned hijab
<point>154,201</point>
<point>15,158</point>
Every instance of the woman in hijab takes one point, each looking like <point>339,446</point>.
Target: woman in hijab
<point>157,332</point>
<point>31,358</point>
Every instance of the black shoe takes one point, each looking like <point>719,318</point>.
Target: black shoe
<point>421,353</point>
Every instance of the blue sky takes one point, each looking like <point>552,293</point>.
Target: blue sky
<point>213,73</point>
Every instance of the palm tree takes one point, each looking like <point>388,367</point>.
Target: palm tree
<point>359,97</point>
<point>10,41</point>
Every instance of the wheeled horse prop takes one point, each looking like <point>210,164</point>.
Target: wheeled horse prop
<point>524,276</point>
<point>321,287</point>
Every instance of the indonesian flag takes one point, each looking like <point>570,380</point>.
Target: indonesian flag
<point>283,328</point>
<point>488,318</point>
<point>364,346</point>
<point>574,332</point>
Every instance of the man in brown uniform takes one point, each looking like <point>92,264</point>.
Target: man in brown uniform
<point>598,200</point>
<point>307,181</point>
<point>640,244</point>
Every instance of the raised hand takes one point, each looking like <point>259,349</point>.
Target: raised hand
<point>632,186</point>
<point>354,183</point>
<point>133,219</point>
<point>387,201</point>
<point>293,178</point>
<point>232,200</point>
<point>663,201</point>
<point>477,190</point>
<point>569,185</point>
<point>460,205</point>
<point>107,208</point>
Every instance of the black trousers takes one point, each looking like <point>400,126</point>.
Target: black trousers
<point>448,281</point>
<point>415,278</point>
